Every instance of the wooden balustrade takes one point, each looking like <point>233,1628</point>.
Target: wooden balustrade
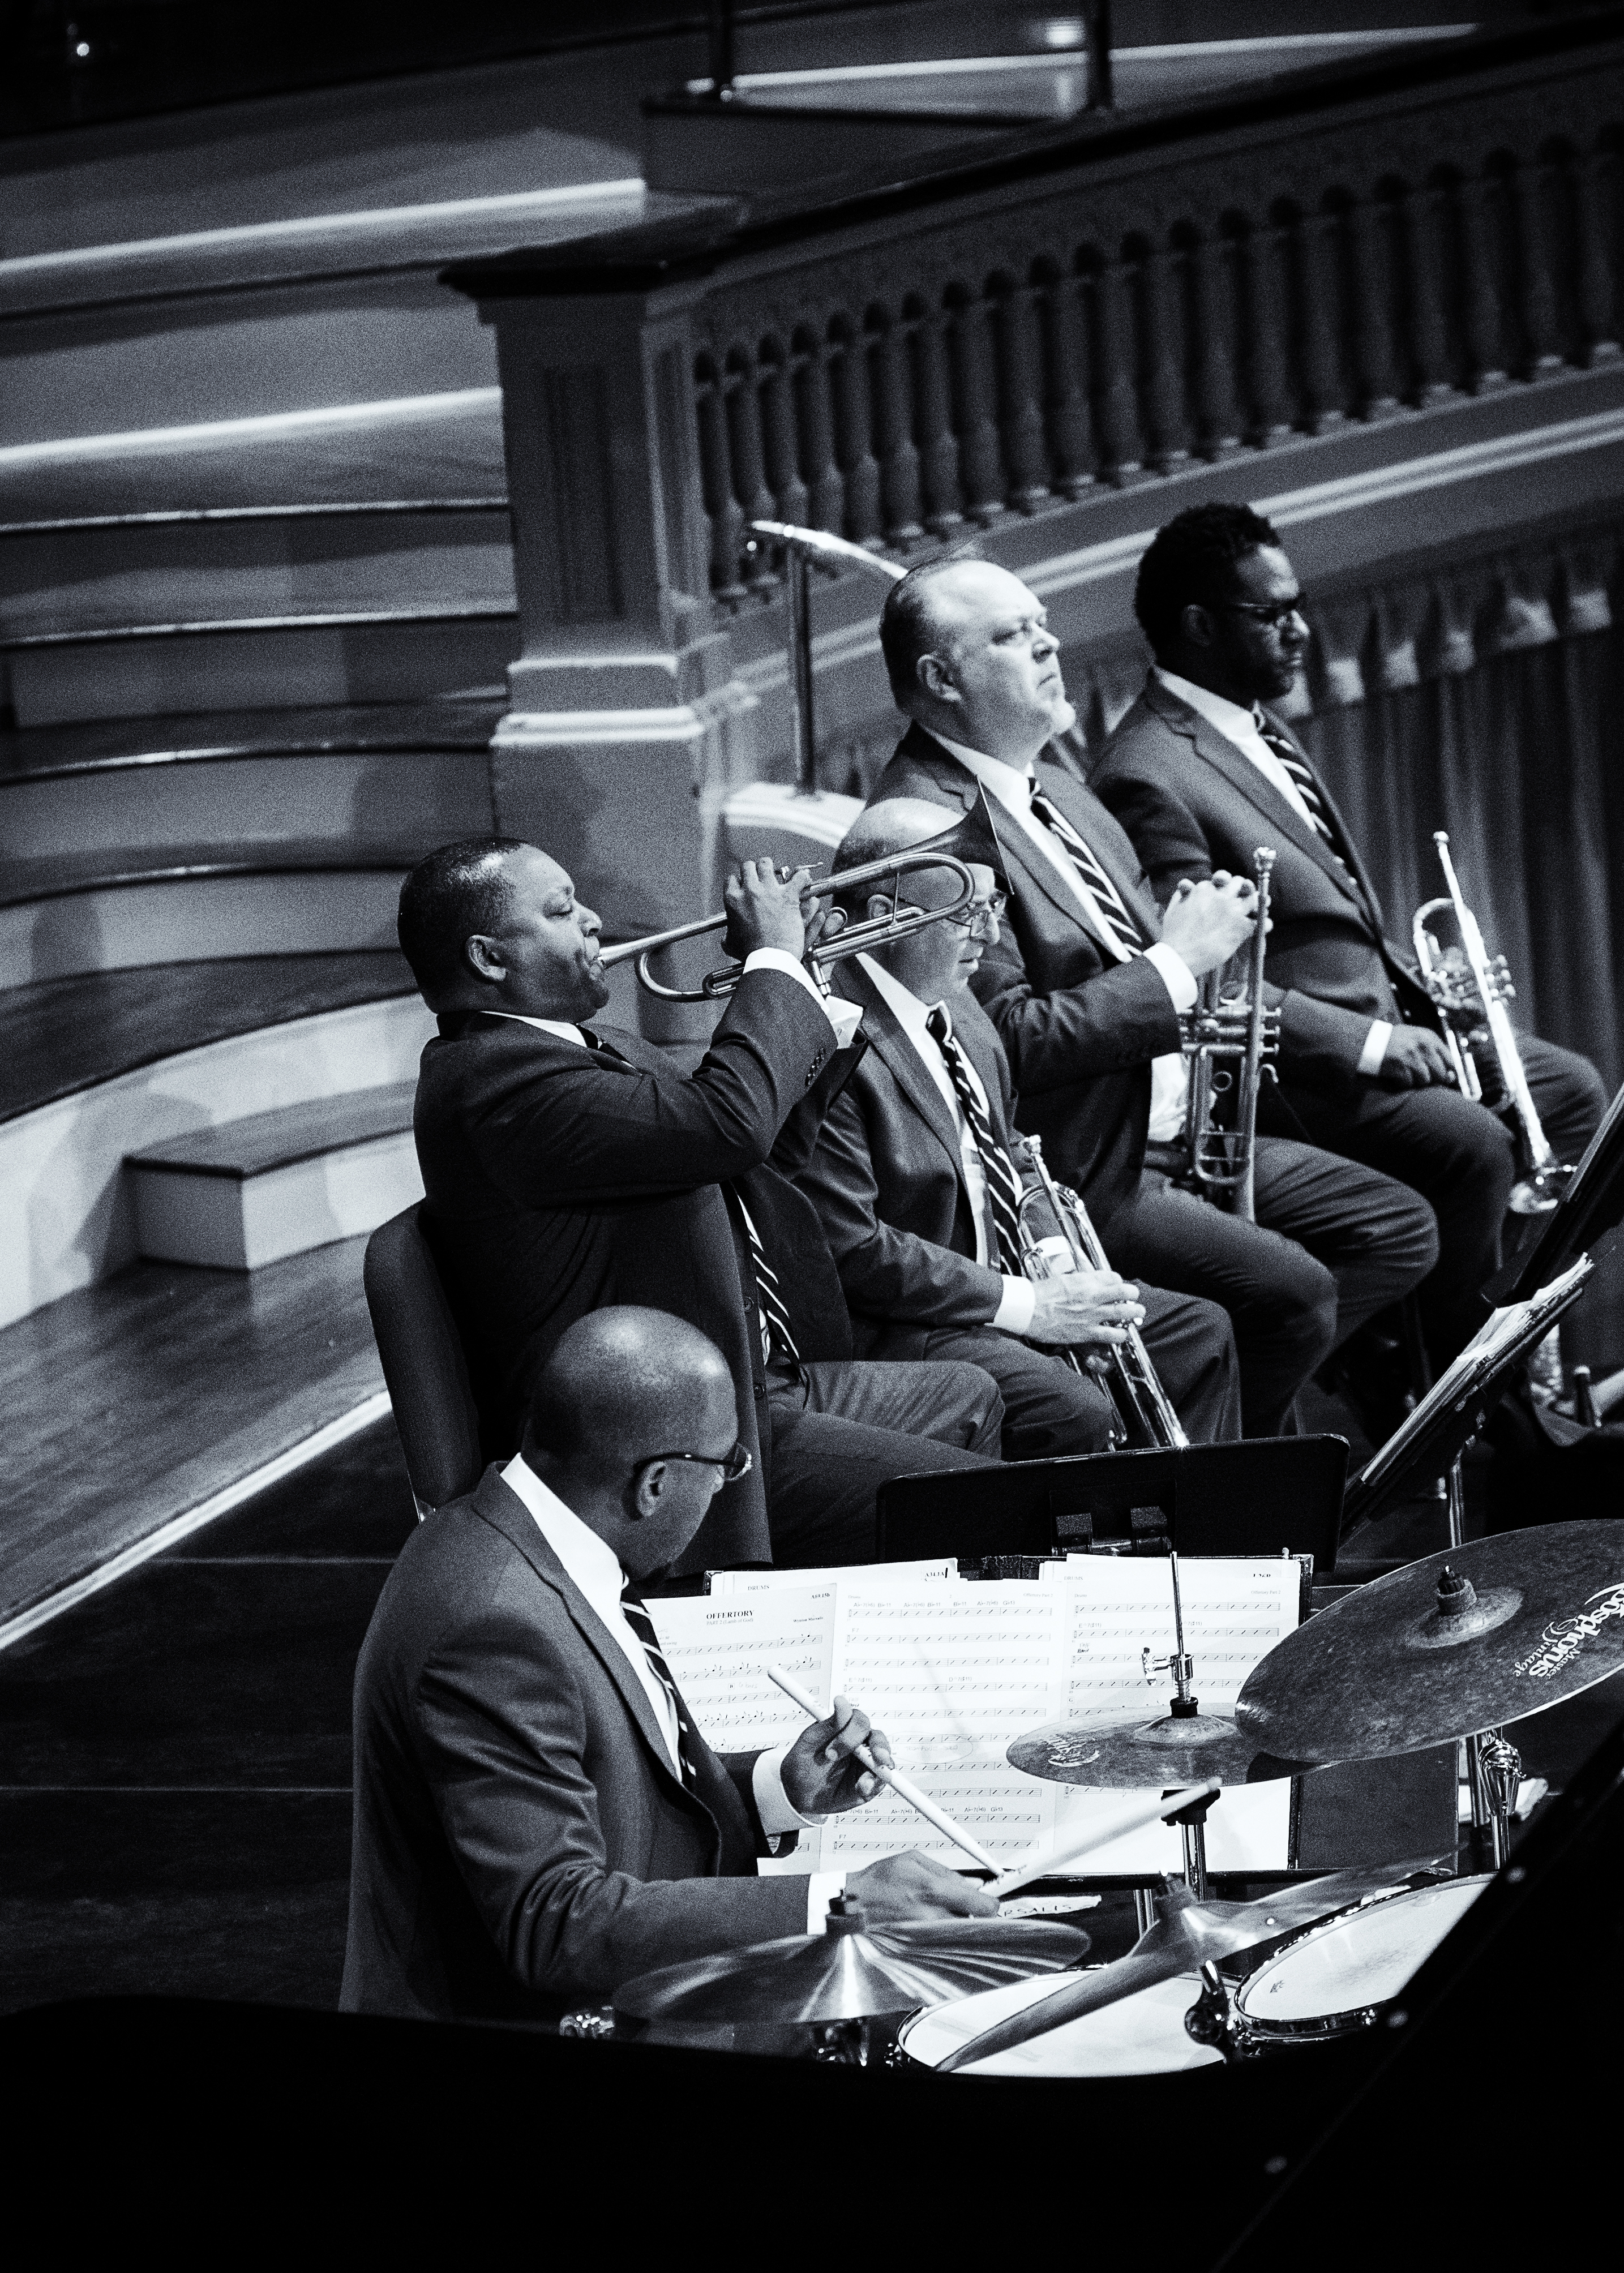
<point>1162,316</point>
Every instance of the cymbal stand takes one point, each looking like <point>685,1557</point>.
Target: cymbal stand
<point>1184,1706</point>
<point>1484,1762</point>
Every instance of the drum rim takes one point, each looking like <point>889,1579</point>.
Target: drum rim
<point>1348,2017</point>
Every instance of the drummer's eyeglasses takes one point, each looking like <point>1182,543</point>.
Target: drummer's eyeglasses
<point>1270,614</point>
<point>732,1464</point>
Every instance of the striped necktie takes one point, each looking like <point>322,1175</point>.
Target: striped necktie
<point>642,1625</point>
<point>1003,1183</point>
<point>777,1339</point>
<point>1306,787</point>
<point>1114,911</point>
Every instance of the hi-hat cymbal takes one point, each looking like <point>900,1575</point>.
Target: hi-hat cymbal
<point>852,1970</point>
<point>1139,1755</point>
<point>1458,1642</point>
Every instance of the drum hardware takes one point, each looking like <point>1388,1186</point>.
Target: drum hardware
<point>902,920</point>
<point>1186,1743</point>
<point>1184,1937</point>
<point>1449,1646</point>
<point>1471,994</point>
<point>852,1970</point>
<point>1069,1243</point>
<point>1337,1979</point>
<point>1223,1162</point>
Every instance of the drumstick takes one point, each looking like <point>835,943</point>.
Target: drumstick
<point>1102,1834</point>
<point>894,1777</point>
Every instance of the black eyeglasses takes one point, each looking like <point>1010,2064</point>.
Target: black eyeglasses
<point>732,1464</point>
<point>1272,613</point>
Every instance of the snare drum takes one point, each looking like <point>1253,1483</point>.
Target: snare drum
<point>1143,2035</point>
<point>1339,1977</point>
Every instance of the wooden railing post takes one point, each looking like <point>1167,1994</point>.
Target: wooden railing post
<point>1065,363</point>
<point>1596,194</point>
<point>1483,313</point>
<point>1530,188</point>
<point>893,432</point>
<point>933,417</point>
<point>975,405</point>
<point>1376,360</point>
<point>1218,413</point>
<point>815,420</point>
<point>854,431</point>
<point>1162,334</point>
<point>1426,214</point>
<point>1116,409</point>
<point>1267,386</point>
<point>1020,421</point>
<point>625,717</point>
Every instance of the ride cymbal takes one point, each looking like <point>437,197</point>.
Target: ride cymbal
<point>1459,1642</point>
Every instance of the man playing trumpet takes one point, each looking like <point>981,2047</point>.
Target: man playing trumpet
<point>917,1176</point>
<point>570,1165</point>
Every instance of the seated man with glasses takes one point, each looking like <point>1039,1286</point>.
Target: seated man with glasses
<point>918,1176</point>
<point>1085,984</point>
<point>538,1820</point>
<point>1200,773</point>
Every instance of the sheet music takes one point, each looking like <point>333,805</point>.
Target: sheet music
<point>1499,1331</point>
<point>952,1675</point>
<point>767,1582</point>
<point>718,1653</point>
<point>954,1670</point>
<point>1234,1613</point>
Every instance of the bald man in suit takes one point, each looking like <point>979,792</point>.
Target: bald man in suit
<point>1085,986</point>
<point>538,1817</point>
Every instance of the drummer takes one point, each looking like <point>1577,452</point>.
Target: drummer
<point>536,1818</point>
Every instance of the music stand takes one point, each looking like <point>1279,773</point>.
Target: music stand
<point>1254,1498</point>
<point>1432,1438</point>
<point>1588,1210</point>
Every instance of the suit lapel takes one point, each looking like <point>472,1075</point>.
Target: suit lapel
<point>1220,753</point>
<point>903,1061</point>
<point>500,1506</point>
<point>1337,823</point>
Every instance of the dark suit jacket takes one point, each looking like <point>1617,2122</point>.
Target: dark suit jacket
<point>559,1182</point>
<point>520,1844</point>
<point>1193,802</point>
<point>886,1177</point>
<point>1079,1028</point>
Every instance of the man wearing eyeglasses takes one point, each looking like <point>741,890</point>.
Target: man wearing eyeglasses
<point>918,1176</point>
<point>537,1818</point>
<point>1200,773</point>
<point>1086,985</point>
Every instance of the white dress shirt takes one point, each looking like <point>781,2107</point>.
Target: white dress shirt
<point>845,1017</point>
<point>595,1568</point>
<point>1013,786</point>
<point>1014,1312</point>
<point>1243,727</point>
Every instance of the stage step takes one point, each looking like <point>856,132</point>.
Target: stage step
<point>245,1193</point>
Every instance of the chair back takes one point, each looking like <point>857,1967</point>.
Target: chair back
<point>424,1364</point>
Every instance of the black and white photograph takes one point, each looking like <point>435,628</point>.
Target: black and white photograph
<point>812,1125</point>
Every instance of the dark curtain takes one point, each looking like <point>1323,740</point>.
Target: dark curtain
<point>1519,759</point>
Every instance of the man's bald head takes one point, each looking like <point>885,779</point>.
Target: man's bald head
<point>627,1381</point>
<point>897,825</point>
<point>969,655</point>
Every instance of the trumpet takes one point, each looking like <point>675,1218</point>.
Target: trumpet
<point>1466,987</point>
<point>1223,1161</point>
<point>873,931</point>
<point>1055,1238</point>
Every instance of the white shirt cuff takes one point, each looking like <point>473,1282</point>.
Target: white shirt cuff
<point>1375,1046</point>
<point>773,1805</point>
<point>822,1888</point>
<point>1014,1313</point>
<point>845,1017</point>
<point>1176,976</point>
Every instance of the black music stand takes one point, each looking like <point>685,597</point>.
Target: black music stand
<point>1252,1498</point>
<point>1588,1210</point>
<point>1432,1440</point>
